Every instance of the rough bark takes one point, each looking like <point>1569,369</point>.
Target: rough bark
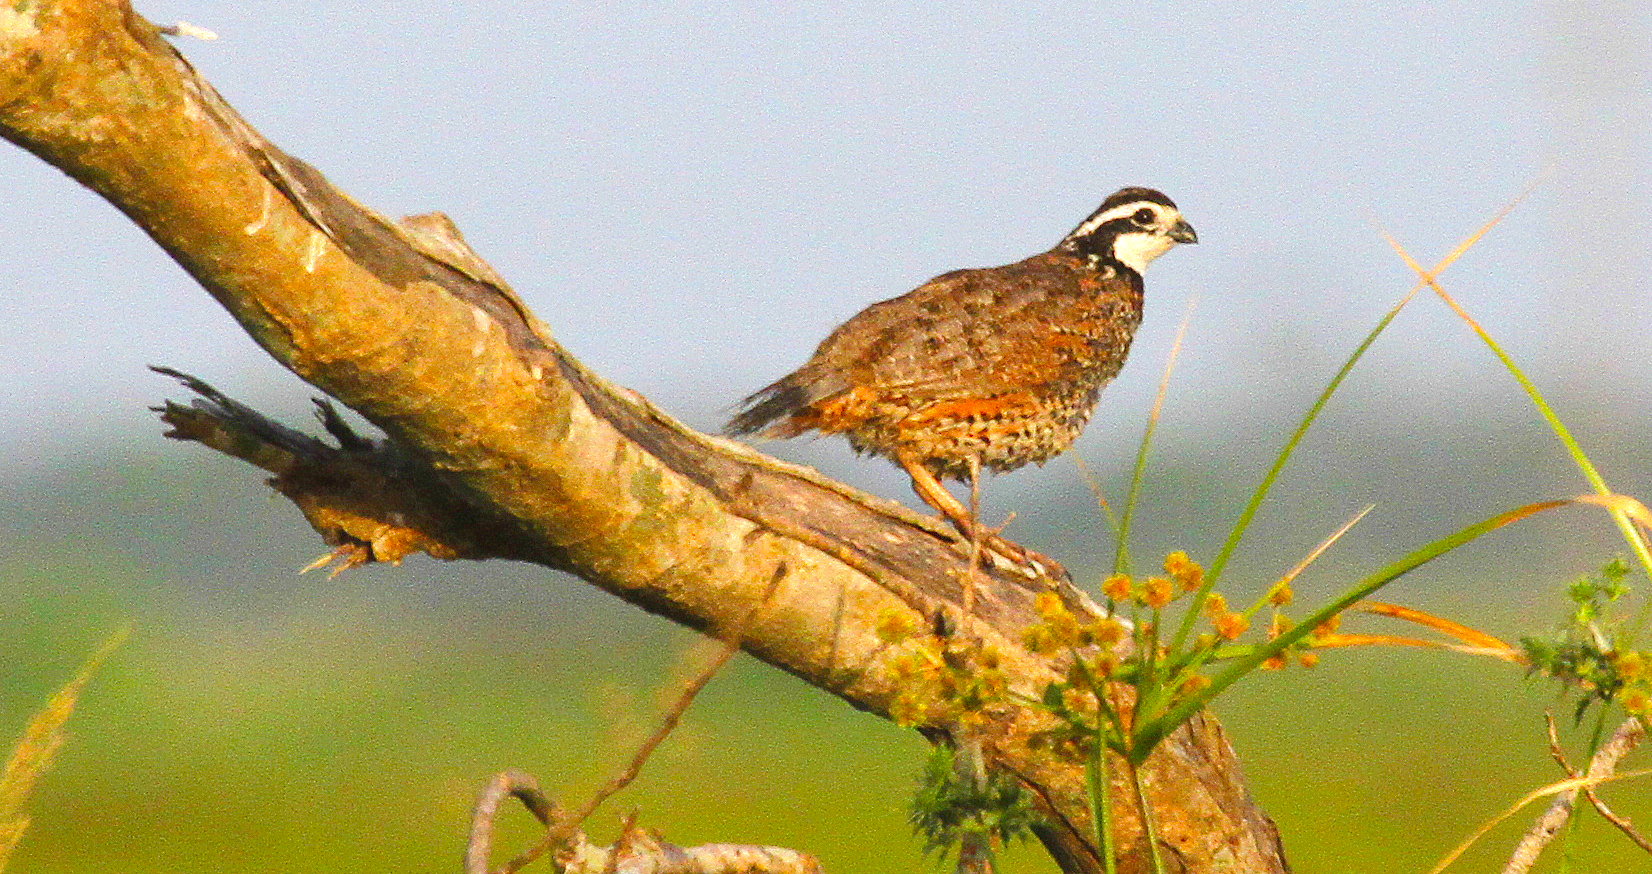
<point>499,444</point>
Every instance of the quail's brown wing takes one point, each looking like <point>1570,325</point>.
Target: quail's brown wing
<point>1036,325</point>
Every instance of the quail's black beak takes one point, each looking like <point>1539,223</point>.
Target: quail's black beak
<point>1183,232</point>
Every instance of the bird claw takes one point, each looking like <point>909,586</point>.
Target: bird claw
<point>346,555</point>
<point>1019,559</point>
<point>997,551</point>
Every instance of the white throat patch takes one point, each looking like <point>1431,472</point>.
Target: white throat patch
<point>1135,249</point>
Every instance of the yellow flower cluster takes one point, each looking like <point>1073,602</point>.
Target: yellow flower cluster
<point>935,682</point>
<point>1059,630</point>
<point>1633,669</point>
<point>1186,572</point>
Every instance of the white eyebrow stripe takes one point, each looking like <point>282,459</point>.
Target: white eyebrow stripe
<point>1093,222</point>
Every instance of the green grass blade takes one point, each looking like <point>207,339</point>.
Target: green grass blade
<point>1149,828</point>
<point>1149,733</point>
<point>1110,518</point>
<point>1632,536</point>
<point>1427,278</point>
<point>1261,492</point>
<point>1312,556</point>
<point>1099,782</point>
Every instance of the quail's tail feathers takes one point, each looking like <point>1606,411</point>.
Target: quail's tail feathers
<point>760,412</point>
<point>773,410</point>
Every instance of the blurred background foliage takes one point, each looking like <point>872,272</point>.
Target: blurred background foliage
<point>691,197</point>
<point>263,721</point>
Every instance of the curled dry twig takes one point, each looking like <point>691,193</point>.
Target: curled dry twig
<point>507,784</point>
<point>635,851</point>
<point>564,831</point>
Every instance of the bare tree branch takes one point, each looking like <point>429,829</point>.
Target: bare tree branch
<point>1548,824</point>
<point>500,444</point>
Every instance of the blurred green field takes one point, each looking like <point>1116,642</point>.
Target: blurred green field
<point>261,721</point>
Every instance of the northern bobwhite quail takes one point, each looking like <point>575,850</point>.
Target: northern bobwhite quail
<point>987,368</point>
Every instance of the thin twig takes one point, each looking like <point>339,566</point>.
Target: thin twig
<point>566,826</point>
<point>974,535</point>
<point>184,28</point>
<point>1555,752</point>
<point>1555,788</point>
<point>667,725</point>
<point>1623,824</point>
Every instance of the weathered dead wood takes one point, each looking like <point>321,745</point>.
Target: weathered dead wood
<point>636,850</point>
<point>509,447</point>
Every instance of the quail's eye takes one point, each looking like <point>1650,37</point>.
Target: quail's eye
<point>1143,217</point>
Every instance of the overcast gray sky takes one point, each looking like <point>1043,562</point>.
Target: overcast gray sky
<point>692,195</point>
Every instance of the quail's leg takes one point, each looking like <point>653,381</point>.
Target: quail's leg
<point>975,544</point>
<point>935,495</point>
